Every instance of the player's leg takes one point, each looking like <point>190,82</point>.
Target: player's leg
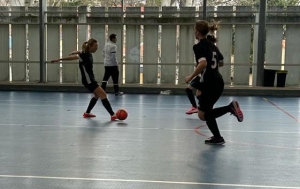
<point>189,91</point>
<point>209,97</point>
<point>198,96</point>
<point>115,77</point>
<point>107,74</point>
<point>91,87</point>
<point>232,108</point>
<point>100,93</point>
<point>91,105</point>
<point>191,97</point>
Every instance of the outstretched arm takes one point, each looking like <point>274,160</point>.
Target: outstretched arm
<point>73,57</point>
<point>74,53</point>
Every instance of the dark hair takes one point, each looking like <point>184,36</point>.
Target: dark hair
<point>112,36</point>
<point>204,27</point>
<point>212,38</point>
<point>87,44</point>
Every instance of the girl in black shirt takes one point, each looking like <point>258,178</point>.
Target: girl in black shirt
<point>88,79</point>
<point>196,84</point>
<point>206,55</point>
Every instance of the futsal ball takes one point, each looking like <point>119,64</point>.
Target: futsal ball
<point>122,114</point>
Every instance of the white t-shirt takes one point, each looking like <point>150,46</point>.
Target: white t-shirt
<point>109,54</point>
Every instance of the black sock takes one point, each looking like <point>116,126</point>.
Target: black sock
<point>213,127</point>
<point>91,105</point>
<point>218,112</point>
<point>107,106</point>
<point>103,85</point>
<point>191,97</point>
<point>116,88</point>
<point>199,99</point>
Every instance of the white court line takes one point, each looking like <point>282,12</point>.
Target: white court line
<point>83,101</point>
<point>144,107</point>
<point>144,128</point>
<point>133,104</point>
<point>147,181</point>
<point>77,126</point>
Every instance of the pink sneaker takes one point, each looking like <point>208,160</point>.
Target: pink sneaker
<point>113,118</point>
<point>192,110</point>
<point>88,115</point>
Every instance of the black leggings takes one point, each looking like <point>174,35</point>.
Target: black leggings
<point>112,71</point>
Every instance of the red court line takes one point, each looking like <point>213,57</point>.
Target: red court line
<point>276,106</point>
<point>197,130</point>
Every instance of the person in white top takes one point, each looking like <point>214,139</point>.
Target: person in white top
<point>111,64</point>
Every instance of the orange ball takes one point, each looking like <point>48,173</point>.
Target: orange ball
<point>122,114</point>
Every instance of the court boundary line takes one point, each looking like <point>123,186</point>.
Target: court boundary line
<point>141,128</point>
<point>278,107</point>
<point>146,181</point>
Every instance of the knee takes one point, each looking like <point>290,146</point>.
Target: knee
<point>96,97</point>
<point>100,93</point>
<point>103,96</point>
<point>201,115</point>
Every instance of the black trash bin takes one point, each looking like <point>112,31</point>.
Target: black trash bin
<point>281,77</point>
<point>269,77</point>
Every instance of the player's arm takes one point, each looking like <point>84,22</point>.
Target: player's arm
<point>201,66</point>
<point>74,53</point>
<point>72,57</point>
<point>202,63</point>
<point>104,50</point>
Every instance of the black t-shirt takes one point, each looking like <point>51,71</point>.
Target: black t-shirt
<point>205,50</point>
<point>86,67</point>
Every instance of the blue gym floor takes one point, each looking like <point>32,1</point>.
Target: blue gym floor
<point>45,143</point>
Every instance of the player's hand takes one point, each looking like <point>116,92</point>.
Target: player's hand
<point>54,61</point>
<point>188,79</point>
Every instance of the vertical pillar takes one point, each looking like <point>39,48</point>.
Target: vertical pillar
<point>261,43</point>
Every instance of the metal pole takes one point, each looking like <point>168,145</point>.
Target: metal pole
<point>204,9</point>
<point>261,43</point>
<point>122,43</point>
<point>42,40</point>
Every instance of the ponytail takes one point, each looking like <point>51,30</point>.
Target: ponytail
<point>213,26</point>
<point>84,46</point>
<point>212,38</point>
<point>87,44</point>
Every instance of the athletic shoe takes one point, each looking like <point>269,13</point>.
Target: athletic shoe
<point>119,94</point>
<point>113,118</point>
<point>88,115</point>
<point>236,110</point>
<point>215,141</point>
<point>192,110</point>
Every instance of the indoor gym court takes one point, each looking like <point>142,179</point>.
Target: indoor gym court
<point>45,143</point>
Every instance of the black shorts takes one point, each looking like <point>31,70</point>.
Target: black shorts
<point>210,95</point>
<point>196,84</point>
<point>91,86</point>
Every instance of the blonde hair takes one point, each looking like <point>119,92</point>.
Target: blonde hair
<point>85,46</point>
